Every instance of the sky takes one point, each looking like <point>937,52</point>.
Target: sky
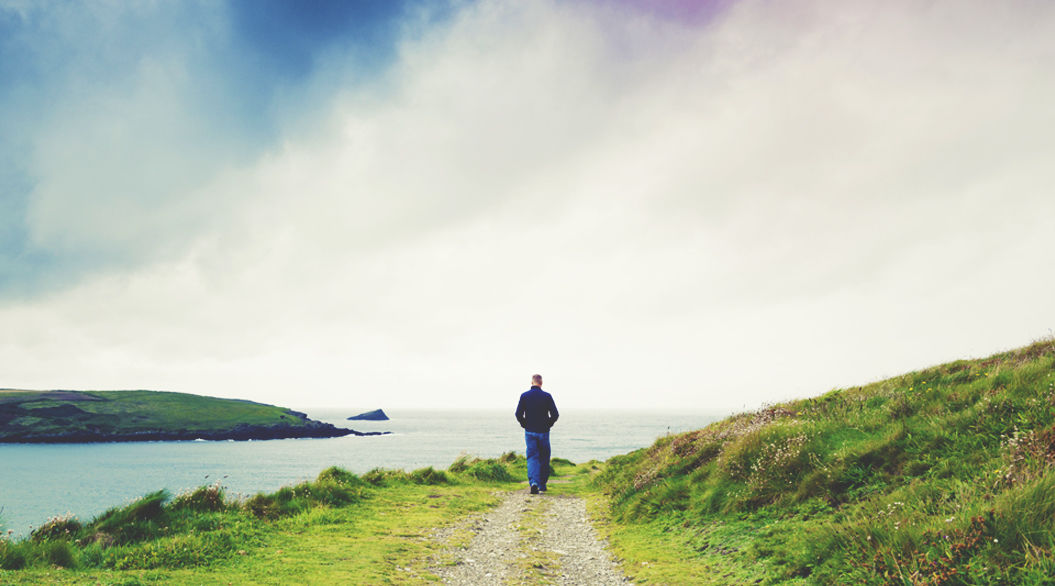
<point>673,205</point>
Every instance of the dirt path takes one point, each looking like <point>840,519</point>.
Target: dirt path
<point>529,539</point>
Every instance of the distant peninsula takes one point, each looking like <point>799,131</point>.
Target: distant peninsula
<point>375,415</point>
<point>126,416</point>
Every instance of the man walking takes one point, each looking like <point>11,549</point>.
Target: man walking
<point>536,413</point>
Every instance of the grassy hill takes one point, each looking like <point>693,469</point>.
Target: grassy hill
<point>80,416</point>
<point>942,476</point>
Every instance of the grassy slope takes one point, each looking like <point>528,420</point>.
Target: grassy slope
<point>42,412</point>
<point>339,529</point>
<point>941,476</point>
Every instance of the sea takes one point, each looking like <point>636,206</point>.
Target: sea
<point>40,481</point>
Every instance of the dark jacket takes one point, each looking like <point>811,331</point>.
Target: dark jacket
<point>536,410</point>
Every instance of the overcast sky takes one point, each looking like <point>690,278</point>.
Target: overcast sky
<point>672,205</point>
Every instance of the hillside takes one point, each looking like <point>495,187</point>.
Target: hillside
<point>82,416</point>
<point>942,476</point>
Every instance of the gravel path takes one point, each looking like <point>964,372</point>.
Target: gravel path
<point>530,539</point>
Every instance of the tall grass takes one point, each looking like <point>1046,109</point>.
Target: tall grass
<point>204,526</point>
<point>938,476</point>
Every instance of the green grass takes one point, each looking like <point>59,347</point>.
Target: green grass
<point>942,476</point>
<point>339,528</point>
<point>25,415</point>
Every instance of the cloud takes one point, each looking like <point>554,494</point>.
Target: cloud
<point>118,117</point>
<point>756,203</point>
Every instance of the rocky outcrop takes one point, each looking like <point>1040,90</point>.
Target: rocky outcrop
<point>375,415</point>
<point>241,432</point>
<point>314,429</point>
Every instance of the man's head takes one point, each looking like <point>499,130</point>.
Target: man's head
<point>536,380</point>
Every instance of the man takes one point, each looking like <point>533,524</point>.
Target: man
<point>536,413</point>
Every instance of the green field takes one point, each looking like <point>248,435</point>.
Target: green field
<point>941,476</point>
<point>33,416</point>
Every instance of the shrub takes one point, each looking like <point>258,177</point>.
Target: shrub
<point>333,494</point>
<point>339,476</point>
<point>262,506</point>
<point>292,500</point>
<point>58,553</point>
<point>461,464</point>
<point>56,528</point>
<point>489,471</point>
<point>134,522</point>
<point>204,499</point>
<point>92,555</point>
<point>12,556</point>
<point>429,476</point>
<point>382,477</point>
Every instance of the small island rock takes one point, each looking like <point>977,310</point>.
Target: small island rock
<point>375,415</point>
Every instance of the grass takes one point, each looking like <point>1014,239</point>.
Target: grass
<point>30,415</point>
<point>941,476</point>
<point>340,528</point>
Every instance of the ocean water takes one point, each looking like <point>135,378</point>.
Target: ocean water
<point>42,481</point>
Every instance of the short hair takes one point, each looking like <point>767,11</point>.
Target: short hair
<point>536,378</point>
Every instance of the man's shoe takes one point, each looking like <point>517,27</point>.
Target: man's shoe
<point>534,489</point>
<point>542,489</point>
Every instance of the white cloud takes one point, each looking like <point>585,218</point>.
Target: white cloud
<point>651,214</point>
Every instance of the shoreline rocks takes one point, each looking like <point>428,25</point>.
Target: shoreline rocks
<point>241,432</point>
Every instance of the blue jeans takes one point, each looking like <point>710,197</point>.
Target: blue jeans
<point>537,457</point>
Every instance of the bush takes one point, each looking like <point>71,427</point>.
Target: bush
<point>12,556</point>
<point>92,555</point>
<point>145,508</point>
<point>58,553</point>
<point>489,471</point>
<point>429,476</point>
<point>204,499</point>
<point>56,528</point>
<point>335,488</point>
<point>333,494</point>
<point>382,477</point>
<point>136,522</point>
<point>262,506</point>
<point>339,476</point>
<point>461,464</point>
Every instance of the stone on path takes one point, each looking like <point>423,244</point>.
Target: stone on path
<point>553,531</point>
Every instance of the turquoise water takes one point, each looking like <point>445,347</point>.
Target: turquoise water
<point>41,481</point>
